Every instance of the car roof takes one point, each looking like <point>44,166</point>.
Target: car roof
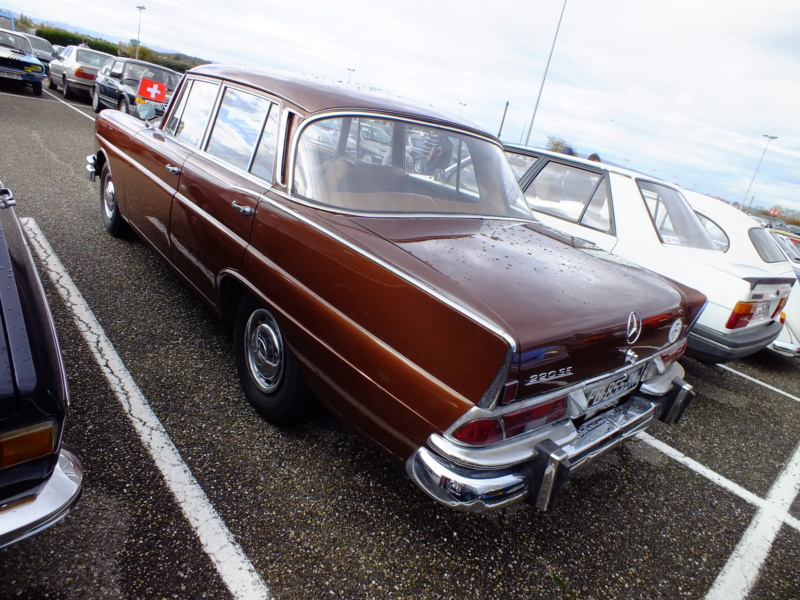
<point>315,96</point>
<point>144,63</point>
<point>582,161</point>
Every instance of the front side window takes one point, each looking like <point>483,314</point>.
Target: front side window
<point>237,128</point>
<point>572,194</point>
<point>375,164</point>
<point>189,119</point>
<point>674,220</point>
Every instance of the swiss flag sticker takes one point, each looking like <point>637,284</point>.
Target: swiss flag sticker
<point>152,90</point>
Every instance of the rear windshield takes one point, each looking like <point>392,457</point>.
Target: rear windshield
<point>137,72</point>
<point>380,165</point>
<point>88,57</point>
<point>673,218</point>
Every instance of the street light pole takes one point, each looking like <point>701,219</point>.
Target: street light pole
<point>350,74</point>
<point>139,31</point>
<point>462,108</point>
<point>747,193</point>
<point>547,68</point>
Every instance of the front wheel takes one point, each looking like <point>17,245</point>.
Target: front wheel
<point>267,368</point>
<point>124,106</point>
<point>96,105</point>
<point>50,83</point>
<point>37,88</point>
<point>109,209</point>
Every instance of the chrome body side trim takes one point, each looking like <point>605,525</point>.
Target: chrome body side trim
<point>48,504</point>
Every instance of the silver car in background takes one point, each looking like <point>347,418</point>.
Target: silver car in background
<point>75,70</point>
<point>43,50</point>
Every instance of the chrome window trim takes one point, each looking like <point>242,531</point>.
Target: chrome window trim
<point>283,132</point>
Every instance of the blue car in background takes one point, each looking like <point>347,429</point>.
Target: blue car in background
<point>18,63</point>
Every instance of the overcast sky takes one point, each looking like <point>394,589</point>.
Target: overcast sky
<point>683,90</point>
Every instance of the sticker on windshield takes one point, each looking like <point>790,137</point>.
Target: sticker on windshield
<point>671,239</point>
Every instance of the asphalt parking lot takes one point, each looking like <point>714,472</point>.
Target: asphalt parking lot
<point>189,494</point>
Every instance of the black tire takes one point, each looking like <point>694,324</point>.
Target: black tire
<point>37,88</point>
<point>109,209</point>
<point>97,106</point>
<point>124,106</point>
<point>368,158</point>
<point>267,368</point>
<point>67,91</point>
<point>50,83</point>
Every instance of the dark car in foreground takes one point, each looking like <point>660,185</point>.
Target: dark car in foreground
<point>117,85</point>
<point>435,316</point>
<point>18,63</point>
<point>40,478</point>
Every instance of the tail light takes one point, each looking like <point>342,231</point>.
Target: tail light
<point>83,74</point>
<point>741,315</point>
<point>482,432</point>
<point>783,318</point>
<point>26,444</point>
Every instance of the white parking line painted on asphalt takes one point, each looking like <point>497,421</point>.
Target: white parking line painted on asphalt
<point>75,108</point>
<point>741,571</point>
<point>766,504</point>
<point>232,564</point>
<point>754,380</point>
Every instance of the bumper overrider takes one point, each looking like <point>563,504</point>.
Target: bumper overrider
<point>30,513</point>
<point>475,487</point>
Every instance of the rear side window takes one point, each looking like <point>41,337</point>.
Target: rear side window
<point>674,220</point>
<point>189,119</point>
<point>765,245</point>
<point>718,235</point>
<point>572,194</point>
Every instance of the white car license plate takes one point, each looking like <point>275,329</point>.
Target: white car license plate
<point>10,75</point>
<point>612,389</point>
<point>762,310</point>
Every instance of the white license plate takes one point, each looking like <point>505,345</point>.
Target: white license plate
<point>10,75</point>
<point>762,310</point>
<point>612,389</point>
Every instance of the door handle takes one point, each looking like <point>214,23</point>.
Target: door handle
<point>245,210</point>
<point>174,170</point>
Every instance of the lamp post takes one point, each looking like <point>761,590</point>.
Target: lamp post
<point>139,31</point>
<point>350,73</point>
<point>547,68</point>
<point>747,193</point>
<point>461,109</point>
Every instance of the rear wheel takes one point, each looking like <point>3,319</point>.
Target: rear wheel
<point>267,368</point>
<point>112,219</point>
<point>66,89</point>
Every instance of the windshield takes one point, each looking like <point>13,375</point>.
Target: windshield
<point>673,218</point>
<point>373,164</point>
<point>18,42</point>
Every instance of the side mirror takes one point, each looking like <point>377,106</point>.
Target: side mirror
<point>438,175</point>
<point>146,112</point>
<point>55,54</point>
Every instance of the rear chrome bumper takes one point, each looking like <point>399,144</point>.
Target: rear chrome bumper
<point>31,514</point>
<point>539,480</point>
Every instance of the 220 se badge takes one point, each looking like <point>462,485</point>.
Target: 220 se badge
<point>374,286</point>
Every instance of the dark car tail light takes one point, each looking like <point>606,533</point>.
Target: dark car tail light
<point>534,417</point>
<point>83,74</point>
<point>482,432</point>
<point>741,315</point>
<point>22,445</point>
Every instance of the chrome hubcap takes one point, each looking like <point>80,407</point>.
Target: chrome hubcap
<point>264,351</point>
<point>109,200</point>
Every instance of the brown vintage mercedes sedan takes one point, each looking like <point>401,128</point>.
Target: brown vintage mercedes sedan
<point>425,307</point>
